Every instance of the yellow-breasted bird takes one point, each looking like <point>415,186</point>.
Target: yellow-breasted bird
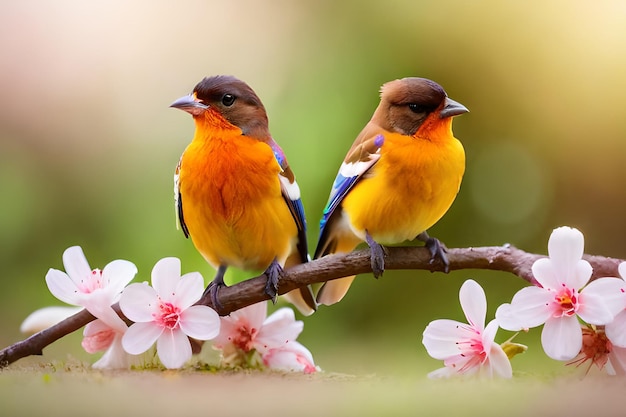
<point>398,179</point>
<point>235,194</point>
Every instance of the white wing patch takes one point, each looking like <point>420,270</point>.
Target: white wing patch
<point>176,196</point>
<point>291,188</point>
<point>355,169</point>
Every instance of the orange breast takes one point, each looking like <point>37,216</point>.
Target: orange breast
<point>409,189</point>
<point>232,202</point>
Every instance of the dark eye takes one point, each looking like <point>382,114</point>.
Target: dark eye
<point>416,108</point>
<point>228,100</point>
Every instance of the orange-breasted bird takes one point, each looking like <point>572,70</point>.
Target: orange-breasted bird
<point>398,179</point>
<point>235,194</point>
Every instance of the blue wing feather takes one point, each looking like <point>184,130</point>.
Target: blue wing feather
<point>291,194</point>
<point>360,159</point>
<point>341,186</point>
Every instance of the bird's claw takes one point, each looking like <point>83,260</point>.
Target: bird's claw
<point>438,251</point>
<point>273,273</point>
<point>212,292</point>
<point>377,256</point>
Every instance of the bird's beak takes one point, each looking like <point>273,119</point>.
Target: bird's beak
<point>190,104</point>
<point>452,108</point>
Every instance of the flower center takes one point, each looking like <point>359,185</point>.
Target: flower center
<point>244,338</point>
<point>168,315</point>
<point>92,282</point>
<point>472,353</point>
<point>596,348</point>
<point>566,303</point>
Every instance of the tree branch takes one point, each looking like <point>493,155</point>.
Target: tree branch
<point>501,258</point>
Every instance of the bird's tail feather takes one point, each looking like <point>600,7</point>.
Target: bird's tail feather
<point>333,291</point>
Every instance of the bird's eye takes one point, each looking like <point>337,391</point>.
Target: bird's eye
<point>228,100</point>
<point>416,108</point>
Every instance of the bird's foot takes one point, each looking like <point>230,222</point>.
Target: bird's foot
<point>212,290</point>
<point>377,256</point>
<point>437,250</point>
<point>273,273</point>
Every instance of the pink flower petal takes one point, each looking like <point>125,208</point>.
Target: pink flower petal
<point>140,337</point>
<point>117,274</point>
<point>616,330</point>
<point>489,334</point>
<point>499,362</point>
<point>95,327</point>
<point>200,322</point>
<point>62,287</point>
<point>507,319</point>
<point>566,246</point>
<point>248,319</point>
<point>545,273</point>
<point>293,358</point>
<point>227,331</point>
<point>562,338</point>
<point>278,329</point>
<point>601,300</point>
<point>612,291</point>
<point>165,277</point>
<point>101,309</point>
<point>530,307</point>
<point>617,359</point>
<point>76,264</point>
<point>254,314</point>
<point>173,348</point>
<point>473,303</point>
<point>138,302</point>
<point>188,290</point>
<point>441,337</point>
<point>622,270</point>
<point>115,357</point>
<point>581,274</point>
<point>98,337</point>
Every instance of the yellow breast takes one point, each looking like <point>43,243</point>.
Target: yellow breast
<point>409,189</point>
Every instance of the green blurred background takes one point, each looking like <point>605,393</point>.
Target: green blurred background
<point>88,144</point>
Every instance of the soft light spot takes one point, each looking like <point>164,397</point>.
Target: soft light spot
<point>508,184</point>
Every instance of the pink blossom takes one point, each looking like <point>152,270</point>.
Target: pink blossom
<point>95,290</point>
<point>467,348</point>
<point>616,330</point>
<point>600,351</point>
<point>166,314</point>
<point>293,357</point>
<point>562,297</point>
<point>247,337</point>
<point>99,337</point>
<point>616,364</point>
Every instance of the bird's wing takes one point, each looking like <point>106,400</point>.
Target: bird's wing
<point>303,298</point>
<point>361,157</point>
<point>178,202</point>
<point>291,194</point>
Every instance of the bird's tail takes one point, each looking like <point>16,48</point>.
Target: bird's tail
<point>302,298</point>
<point>333,291</point>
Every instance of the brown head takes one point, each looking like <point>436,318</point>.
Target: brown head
<point>224,99</point>
<point>406,103</point>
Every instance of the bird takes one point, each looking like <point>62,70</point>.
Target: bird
<point>398,179</point>
<point>234,192</point>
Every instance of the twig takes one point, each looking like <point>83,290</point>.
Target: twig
<point>251,291</point>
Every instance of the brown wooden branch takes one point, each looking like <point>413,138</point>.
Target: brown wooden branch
<point>501,258</point>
